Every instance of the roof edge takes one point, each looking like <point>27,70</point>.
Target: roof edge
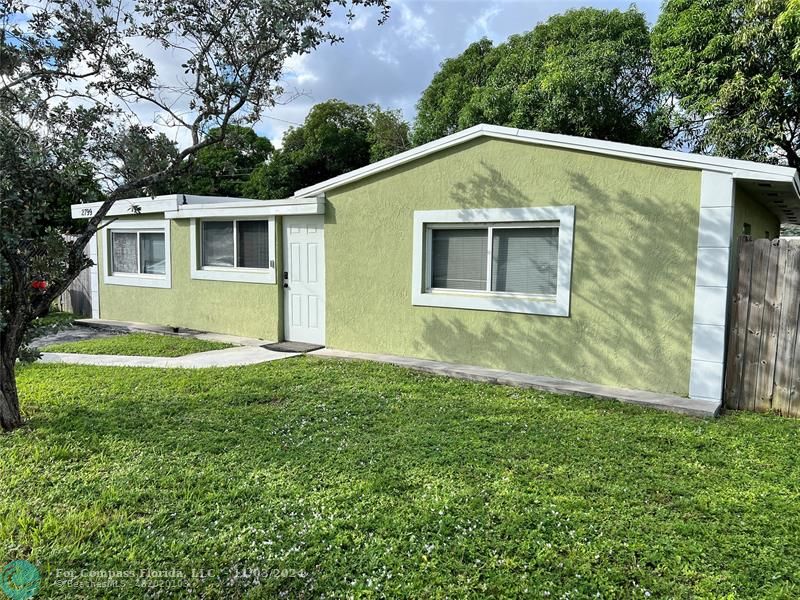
<point>740,169</point>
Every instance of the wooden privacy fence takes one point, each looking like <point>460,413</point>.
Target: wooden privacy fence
<point>77,299</point>
<point>763,363</point>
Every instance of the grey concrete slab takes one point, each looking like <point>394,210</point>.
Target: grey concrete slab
<point>72,334</point>
<point>698,408</point>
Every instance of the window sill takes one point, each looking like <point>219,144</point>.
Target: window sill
<point>235,275</point>
<point>492,302</point>
<point>138,280</point>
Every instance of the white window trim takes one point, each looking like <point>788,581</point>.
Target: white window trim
<point>237,274</point>
<point>136,279</point>
<point>549,216</point>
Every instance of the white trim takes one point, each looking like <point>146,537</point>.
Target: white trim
<point>740,169</point>
<point>250,208</point>
<point>563,216</point>
<point>126,207</point>
<point>189,205</point>
<point>714,238</point>
<point>136,279</point>
<point>94,279</point>
<point>237,274</point>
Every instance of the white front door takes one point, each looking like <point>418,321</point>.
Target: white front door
<point>304,279</point>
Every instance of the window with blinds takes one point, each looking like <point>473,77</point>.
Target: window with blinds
<point>458,259</point>
<point>525,260</point>
<point>253,252</point>
<point>494,258</point>
<point>235,244</point>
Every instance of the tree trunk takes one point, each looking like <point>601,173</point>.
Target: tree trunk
<point>9,401</point>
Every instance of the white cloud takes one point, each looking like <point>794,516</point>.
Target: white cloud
<point>414,28</point>
<point>382,53</point>
<point>297,70</point>
<point>481,26</point>
<point>359,23</point>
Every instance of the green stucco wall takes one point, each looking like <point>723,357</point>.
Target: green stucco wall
<point>761,220</point>
<point>247,309</point>
<point>635,249</point>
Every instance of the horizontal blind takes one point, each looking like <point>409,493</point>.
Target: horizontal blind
<point>252,244</point>
<point>458,258</point>
<point>525,260</point>
<point>217,243</point>
<point>151,245</point>
<point>123,252</point>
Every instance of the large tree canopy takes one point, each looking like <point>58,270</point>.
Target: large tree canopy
<point>224,168</point>
<point>335,138</point>
<point>735,68</point>
<point>72,73</point>
<point>586,72</point>
<point>440,110</point>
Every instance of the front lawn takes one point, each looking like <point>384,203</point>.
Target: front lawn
<point>138,344</point>
<point>307,478</point>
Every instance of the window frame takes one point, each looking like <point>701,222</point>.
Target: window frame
<point>423,294</point>
<point>137,226</point>
<point>234,273</point>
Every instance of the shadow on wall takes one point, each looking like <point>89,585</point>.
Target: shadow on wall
<point>632,291</point>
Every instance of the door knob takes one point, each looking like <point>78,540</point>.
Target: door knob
<point>286,285</point>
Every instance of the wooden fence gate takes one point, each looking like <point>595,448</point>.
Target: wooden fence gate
<point>763,363</point>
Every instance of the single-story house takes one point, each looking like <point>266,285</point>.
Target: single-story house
<point>504,248</point>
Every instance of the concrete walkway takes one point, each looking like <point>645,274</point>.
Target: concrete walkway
<point>229,357</point>
<point>247,351</point>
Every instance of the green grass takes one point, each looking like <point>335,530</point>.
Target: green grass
<point>55,318</point>
<point>347,479</point>
<point>138,344</point>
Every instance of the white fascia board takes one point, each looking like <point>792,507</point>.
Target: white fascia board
<point>738,168</point>
<point>252,208</point>
<point>188,200</point>
<point>748,175</point>
<point>659,155</point>
<point>125,207</point>
<point>174,202</point>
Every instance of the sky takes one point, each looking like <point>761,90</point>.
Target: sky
<point>391,64</point>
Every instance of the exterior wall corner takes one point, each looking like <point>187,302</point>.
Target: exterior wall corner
<point>714,239</point>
